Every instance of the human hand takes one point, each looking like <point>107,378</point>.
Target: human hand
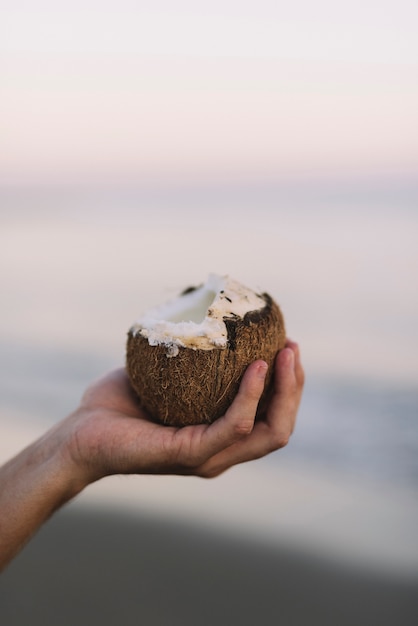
<point>110,434</point>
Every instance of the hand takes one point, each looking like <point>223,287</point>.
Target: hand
<point>110,434</point>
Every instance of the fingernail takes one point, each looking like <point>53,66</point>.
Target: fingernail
<point>262,370</point>
<point>288,355</point>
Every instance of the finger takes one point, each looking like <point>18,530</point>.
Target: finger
<point>241,413</point>
<point>269,435</point>
<point>281,412</point>
<point>300,374</point>
<point>238,421</point>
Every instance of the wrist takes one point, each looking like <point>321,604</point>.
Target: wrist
<point>33,485</point>
<point>51,460</point>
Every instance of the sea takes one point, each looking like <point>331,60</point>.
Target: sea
<point>80,264</point>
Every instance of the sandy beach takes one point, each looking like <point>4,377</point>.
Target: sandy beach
<point>88,567</point>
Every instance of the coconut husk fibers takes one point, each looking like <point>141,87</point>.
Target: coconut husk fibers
<point>198,386</point>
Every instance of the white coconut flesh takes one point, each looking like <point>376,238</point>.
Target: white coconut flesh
<point>196,318</point>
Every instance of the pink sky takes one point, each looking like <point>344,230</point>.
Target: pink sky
<point>94,91</point>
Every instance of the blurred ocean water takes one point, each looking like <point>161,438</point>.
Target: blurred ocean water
<point>368,432</point>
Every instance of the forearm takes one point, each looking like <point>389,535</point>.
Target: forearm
<point>33,485</point>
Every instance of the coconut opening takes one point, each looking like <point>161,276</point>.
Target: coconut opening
<point>192,312</point>
<point>191,306</point>
<point>196,319</point>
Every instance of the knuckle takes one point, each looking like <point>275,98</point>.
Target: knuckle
<point>243,427</point>
<point>251,393</point>
<point>185,455</point>
<point>280,440</point>
<point>209,474</point>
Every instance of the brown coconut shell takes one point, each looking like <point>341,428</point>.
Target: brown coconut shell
<point>198,386</point>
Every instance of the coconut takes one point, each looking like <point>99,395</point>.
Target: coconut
<point>186,358</point>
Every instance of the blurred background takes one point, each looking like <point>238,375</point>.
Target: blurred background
<point>143,146</point>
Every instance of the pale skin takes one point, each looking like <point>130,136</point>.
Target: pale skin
<point>110,434</point>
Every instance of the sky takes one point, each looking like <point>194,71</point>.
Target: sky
<point>160,91</point>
